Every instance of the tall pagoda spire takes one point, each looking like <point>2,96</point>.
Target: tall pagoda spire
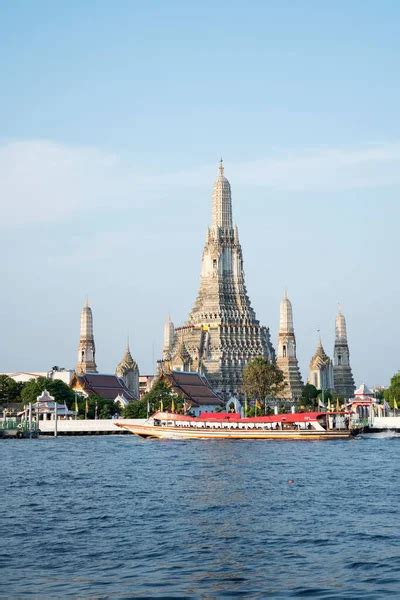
<point>222,201</point>
<point>169,337</point>
<point>222,333</point>
<point>86,351</point>
<point>286,357</point>
<point>342,374</point>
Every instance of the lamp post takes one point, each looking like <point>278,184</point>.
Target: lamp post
<point>55,419</point>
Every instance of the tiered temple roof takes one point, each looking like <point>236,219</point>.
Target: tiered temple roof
<point>106,386</point>
<point>194,388</point>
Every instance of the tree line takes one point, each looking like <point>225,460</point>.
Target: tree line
<point>27,392</point>
<point>263,382</point>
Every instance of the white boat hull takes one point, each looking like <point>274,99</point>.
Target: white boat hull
<point>200,433</point>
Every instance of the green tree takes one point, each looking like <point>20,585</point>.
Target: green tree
<point>10,390</point>
<point>309,396</point>
<point>380,394</point>
<point>56,388</point>
<point>325,396</point>
<point>136,409</point>
<point>96,405</point>
<point>160,395</point>
<point>392,393</point>
<point>262,379</point>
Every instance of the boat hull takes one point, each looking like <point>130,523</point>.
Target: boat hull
<point>198,433</point>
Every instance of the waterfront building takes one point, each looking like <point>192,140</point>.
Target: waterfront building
<point>128,370</point>
<point>364,404</point>
<point>286,355</point>
<point>46,409</point>
<point>343,381</point>
<point>56,373</point>
<point>321,369</point>
<point>222,333</point>
<point>146,382</point>
<point>106,386</point>
<point>86,351</point>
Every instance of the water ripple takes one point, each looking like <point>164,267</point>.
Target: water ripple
<point>119,517</point>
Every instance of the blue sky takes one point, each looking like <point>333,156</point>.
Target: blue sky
<point>113,118</point>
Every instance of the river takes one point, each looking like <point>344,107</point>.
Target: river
<point>120,517</point>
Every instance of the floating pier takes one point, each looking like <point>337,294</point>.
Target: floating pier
<point>14,428</point>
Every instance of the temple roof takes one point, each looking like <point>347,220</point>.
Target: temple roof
<point>127,363</point>
<point>193,387</point>
<point>363,390</point>
<point>106,386</point>
<point>320,357</point>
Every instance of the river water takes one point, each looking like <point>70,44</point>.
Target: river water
<point>120,517</point>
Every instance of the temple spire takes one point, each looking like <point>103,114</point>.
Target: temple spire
<point>128,370</point>
<point>340,328</point>
<point>169,337</point>
<point>287,359</point>
<point>86,352</point>
<point>222,333</point>
<point>222,201</point>
<point>342,373</point>
<point>286,315</point>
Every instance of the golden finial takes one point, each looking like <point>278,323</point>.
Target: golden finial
<point>221,167</point>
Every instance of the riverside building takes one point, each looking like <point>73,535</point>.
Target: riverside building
<point>222,333</point>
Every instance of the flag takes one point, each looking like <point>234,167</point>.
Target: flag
<point>395,404</point>
<point>76,404</point>
<point>173,405</point>
<point>86,407</point>
<point>329,405</point>
<point>161,405</point>
<point>337,405</point>
<point>245,406</point>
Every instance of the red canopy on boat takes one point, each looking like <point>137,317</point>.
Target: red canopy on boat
<point>235,417</point>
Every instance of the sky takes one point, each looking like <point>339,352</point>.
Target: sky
<point>113,117</point>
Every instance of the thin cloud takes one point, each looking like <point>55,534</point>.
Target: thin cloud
<point>43,181</point>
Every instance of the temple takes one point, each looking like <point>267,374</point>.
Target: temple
<point>342,375</point>
<point>222,333</point>
<point>286,355</point>
<point>321,369</point>
<point>128,370</point>
<point>86,351</point>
